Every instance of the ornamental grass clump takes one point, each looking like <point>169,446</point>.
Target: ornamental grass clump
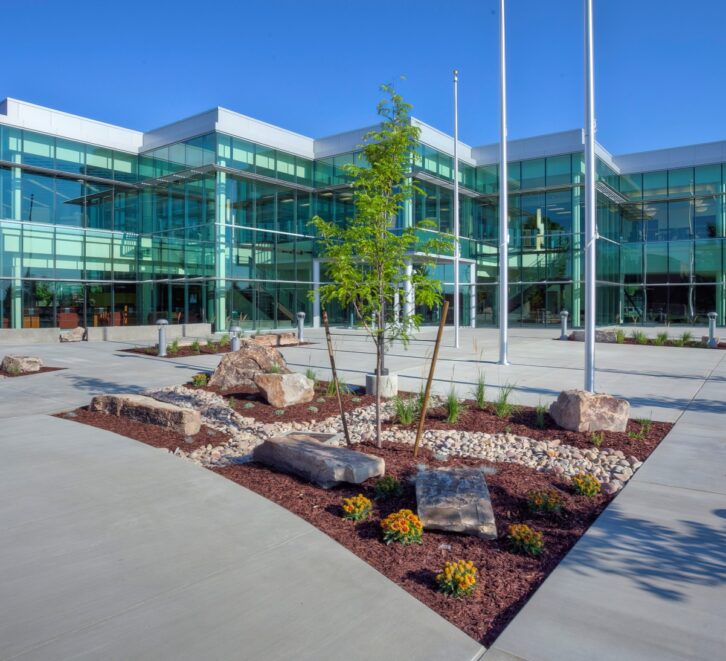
<point>454,406</point>
<point>195,346</point>
<point>660,339</point>
<point>480,392</point>
<point>503,407</point>
<point>539,413</point>
<point>640,337</point>
<point>597,438</point>
<point>585,484</point>
<point>404,409</point>
<point>357,508</point>
<point>544,501</point>
<point>525,540</point>
<point>403,527</point>
<point>387,487</point>
<point>457,579</point>
<point>200,380</point>
<point>620,336</point>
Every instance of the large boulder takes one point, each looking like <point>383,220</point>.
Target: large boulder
<point>75,335</point>
<point>276,339</point>
<point>149,411</point>
<point>605,336</point>
<point>237,369</point>
<point>577,410</point>
<point>21,364</point>
<point>324,465</point>
<point>281,390</point>
<point>455,500</point>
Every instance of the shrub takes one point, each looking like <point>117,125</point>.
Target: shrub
<point>330,388</point>
<point>457,579</point>
<point>660,339</point>
<point>597,438</point>
<point>402,526</point>
<point>195,346</point>
<point>540,412</point>
<point>387,487</point>
<point>480,391</point>
<point>523,539</point>
<point>503,407</point>
<point>454,406</point>
<point>248,405</point>
<point>224,341</point>
<point>640,337</point>
<point>173,348</point>
<point>620,336</point>
<point>545,501</point>
<point>357,508</point>
<point>199,380</point>
<point>279,411</point>
<point>404,409</point>
<point>585,484</point>
<point>645,425</point>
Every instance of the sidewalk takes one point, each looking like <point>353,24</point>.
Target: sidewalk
<point>115,550</point>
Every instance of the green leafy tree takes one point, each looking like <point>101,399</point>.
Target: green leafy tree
<point>366,257</point>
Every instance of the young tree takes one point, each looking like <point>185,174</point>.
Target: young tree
<point>366,257</point>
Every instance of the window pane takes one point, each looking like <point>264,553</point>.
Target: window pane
<point>558,170</point>
<point>70,156</point>
<point>533,173</point>
<point>38,150</point>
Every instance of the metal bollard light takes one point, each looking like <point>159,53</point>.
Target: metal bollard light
<point>300,326</point>
<point>712,341</point>
<point>563,325</point>
<point>162,324</point>
<point>235,344</point>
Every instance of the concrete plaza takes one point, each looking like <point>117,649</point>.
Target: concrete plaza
<point>115,550</point>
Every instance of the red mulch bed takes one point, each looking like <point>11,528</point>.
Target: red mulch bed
<point>187,351</point>
<point>41,371</point>
<point>149,434</point>
<point>507,580</point>
<point>523,422</point>
<point>264,412</point>
<point>694,344</point>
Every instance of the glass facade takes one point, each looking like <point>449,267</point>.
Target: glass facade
<point>215,229</point>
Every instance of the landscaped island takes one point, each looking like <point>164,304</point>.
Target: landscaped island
<point>545,485</point>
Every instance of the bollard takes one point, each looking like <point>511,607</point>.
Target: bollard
<point>162,324</point>
<point>712,341</point>
<point>300,326</point>
<point>563,325</point>
<point>235,344</point>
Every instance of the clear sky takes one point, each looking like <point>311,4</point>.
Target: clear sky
<point>314,66</point>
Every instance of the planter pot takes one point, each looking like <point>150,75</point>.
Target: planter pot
<point>389,385</point>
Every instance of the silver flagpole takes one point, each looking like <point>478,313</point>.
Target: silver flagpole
<point>503,199</point>
<point>457,251</point>
<point>590,203</point>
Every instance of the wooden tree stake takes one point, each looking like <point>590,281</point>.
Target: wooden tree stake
<point>427,392</point>
<point>335,377</point>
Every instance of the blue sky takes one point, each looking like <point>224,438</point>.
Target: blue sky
<point>315,66</point>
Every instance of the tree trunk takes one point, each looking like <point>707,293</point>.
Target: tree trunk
<point>379,375</point>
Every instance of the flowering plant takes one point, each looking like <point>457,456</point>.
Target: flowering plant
<point>544,501</point>
<point>458,579</point>
<point>585,484</point>
<point>523,539</point>
<point>357,508</point>
<point>402,526</point>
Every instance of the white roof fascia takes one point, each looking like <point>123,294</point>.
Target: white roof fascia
<point>24,115</point>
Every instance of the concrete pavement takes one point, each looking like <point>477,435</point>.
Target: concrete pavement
<point>115,550</point>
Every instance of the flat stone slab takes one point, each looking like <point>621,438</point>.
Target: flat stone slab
<point>150,411</point>
<point>578,410</point>
<point>320,437</point>
<point>324,465</point>
<point>605,336</point>
<point>21,364</point>
<point>281,390</point>
<point>455,500</point>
